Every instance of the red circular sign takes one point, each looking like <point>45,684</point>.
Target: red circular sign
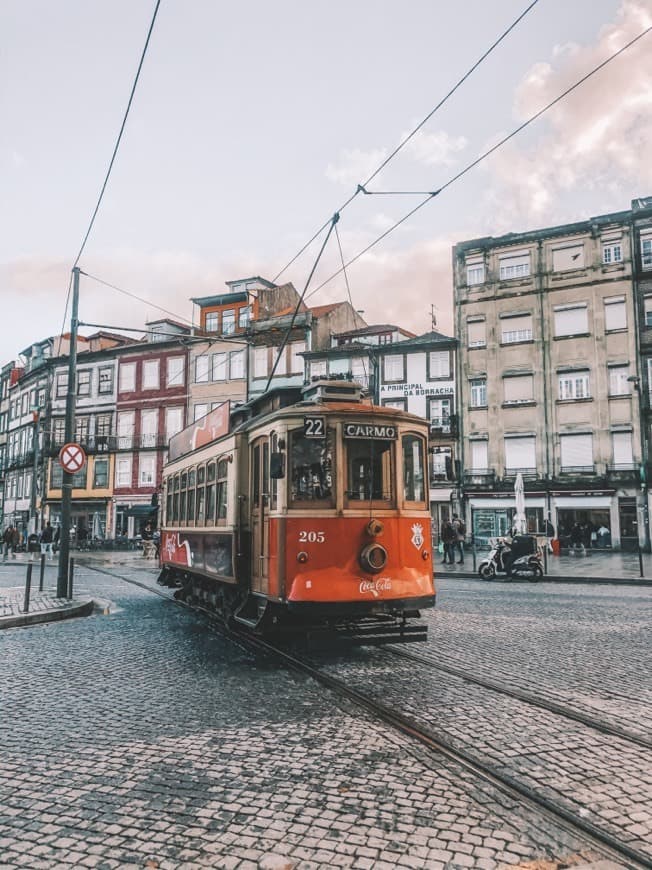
<point>72,458</point>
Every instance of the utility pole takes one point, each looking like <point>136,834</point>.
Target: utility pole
<point>66,488</point>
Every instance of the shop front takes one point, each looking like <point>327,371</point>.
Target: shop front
<point>88,519</point>
<point>494,517</point>
<point>591,519</point>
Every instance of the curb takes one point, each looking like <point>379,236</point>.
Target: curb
<point>25,619</point>
<point>550,578</point>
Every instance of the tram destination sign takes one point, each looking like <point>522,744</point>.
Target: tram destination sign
<point>377,431</point>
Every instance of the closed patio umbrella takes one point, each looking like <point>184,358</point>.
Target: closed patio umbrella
<point>520,521</point>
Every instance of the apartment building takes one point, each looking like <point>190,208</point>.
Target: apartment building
<point>547,327</point>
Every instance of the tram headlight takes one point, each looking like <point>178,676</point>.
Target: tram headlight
<point>302,557</point>
<point>373,558</point>
<point>375,528</point>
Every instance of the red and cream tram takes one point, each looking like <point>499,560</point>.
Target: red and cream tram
<point>299,511</point>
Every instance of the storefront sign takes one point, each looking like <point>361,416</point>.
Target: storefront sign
<point>370,430</point>
<point>418,389</point>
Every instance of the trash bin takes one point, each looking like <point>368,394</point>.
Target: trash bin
<point>556,547</point>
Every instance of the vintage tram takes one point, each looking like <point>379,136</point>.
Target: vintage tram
<point>302,510</point>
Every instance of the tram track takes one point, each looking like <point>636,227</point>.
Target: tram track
<point>603,841</point>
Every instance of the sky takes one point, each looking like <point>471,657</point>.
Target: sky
<point>253,122</point>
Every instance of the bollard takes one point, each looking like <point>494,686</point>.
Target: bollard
<point>28,587</point>
<point>71,571</point>
<point>40,579</point>
<point>640,559</point>
<point>545,557</point>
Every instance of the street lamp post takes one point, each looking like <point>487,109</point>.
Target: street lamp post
<point>636,383</point>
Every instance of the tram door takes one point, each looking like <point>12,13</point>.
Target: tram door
<point>260,515</point>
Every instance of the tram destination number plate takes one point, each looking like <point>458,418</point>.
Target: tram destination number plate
<point>314,427</point>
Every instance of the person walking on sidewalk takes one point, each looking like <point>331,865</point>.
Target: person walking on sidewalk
<point>460,536</point>
<point>448,539</point>
<point>46,541</point>
<point>8,543</point>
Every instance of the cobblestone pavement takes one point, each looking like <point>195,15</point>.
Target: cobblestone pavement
<point>138,737</point>
<point>585,648</point>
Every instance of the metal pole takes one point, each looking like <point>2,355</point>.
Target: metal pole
<point>66,488</point>
<point>40,579</point>
<point>475,567</point>
<point>71,572</point>
<point>28,587</point>
<point>640,557</point>
<point>32,499</point>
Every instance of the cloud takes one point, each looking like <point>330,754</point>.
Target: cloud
<point>354,165</point>
<point>596,139</point>
<point>434,149</point>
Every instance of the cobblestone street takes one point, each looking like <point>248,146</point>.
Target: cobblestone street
<point>140,737</point>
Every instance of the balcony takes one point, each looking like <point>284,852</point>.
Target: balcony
<point>526,473</point>
<point>578,469</point>
<point>479,477</point>
<point>20,460</point>
<point>93,444</point>
<point>624,471</point>
<point>446,425</point>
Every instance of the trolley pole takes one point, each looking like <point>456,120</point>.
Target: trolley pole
<point>66,489</point>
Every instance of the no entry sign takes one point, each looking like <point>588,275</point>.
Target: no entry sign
<point>72,458</point>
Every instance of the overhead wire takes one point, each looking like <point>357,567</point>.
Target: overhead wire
<point>138,298</point>
<point>484,156</point>
<point>413,132</point>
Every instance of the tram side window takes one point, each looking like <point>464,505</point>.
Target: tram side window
<point>169,515</point>
<point>413,469</point>
<point>191,495</point>
<point>201,494</point>
<point>210,494</point>
<point>273,483</point>
<point>222,470</point>
<point>182,497</point>
<point>311,467</point>
<point>369,470</point>
<point>175,499</point>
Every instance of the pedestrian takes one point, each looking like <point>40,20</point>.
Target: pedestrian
<point>7,542</point>
<point>460,536</point>
<point>16,541</point>
<point>604,537</point>
<point>447,538</point>
<point>47,536</point>
<point>577,539</point>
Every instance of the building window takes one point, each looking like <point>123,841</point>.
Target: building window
<point>228,321</point>
<point>479,456</point>
<point>78,479</point>
<point>615,314</point>
<point>175,372</point>
<point>201,369</point>
<point>576,452</point>
<point>62,385</point>
<point>385,338</point>
<point>648,311</point>
<point>123,471</point>
<point>127,377</point>
<point>621,443</point>
<point>24,404</point>
<point>212,321</point>
<point>618,385</point>
<point>84,382</point>
<point>105,380</point>
<point>439,414</point>
<point>439,364</point>
<point>318,368</point>
<point>516,265</point>
<point>148,427</point>
<point>396,404</point>
<point>236,365</point>
<point>475,273</point>
<point>360,371</point>
<point>173,421</point>
<point>59,431</point>
<point>571,320</point>
<point>82,427</point>
<point>244,316</point>
<point>100,474</point>
<point>219,366</point>
<point>151,378</point>
<point>147,469</point>
<point>393,368</point>
<point>281,365</point>
<point>646,252</point>
<point>515,329</point>
<point>612,253</point>
<point>296,361</point>
<point>476,333</point>
<point>518,389</point>
<point>478,388</point>
<point>574,385</point>
<point>520,453</point>
<point>568,258</point>
<point>260,362</point>
<point>126,426</point>
<point>200,410</point>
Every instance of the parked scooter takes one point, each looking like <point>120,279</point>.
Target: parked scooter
<point>521,558</point>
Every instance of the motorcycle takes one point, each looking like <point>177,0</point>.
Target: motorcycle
<point>520,559</point>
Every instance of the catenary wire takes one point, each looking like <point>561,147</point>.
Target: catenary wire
<point>138,298</point>
<point>406,139</point>
<point>348,290</point>
<point>484,155</point>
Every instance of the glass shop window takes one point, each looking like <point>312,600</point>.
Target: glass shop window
<point>311,467</point>
<point>413,469</point>
<point>369,470</point>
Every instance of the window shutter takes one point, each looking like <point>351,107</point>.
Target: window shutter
<point>565,259</point>
<point>516,328</point>
<point>520,453</point>
<point>576,451</point>
<point>439,364</point>
<point>477,333</point>
<point>571,321</point>
<point>479,455</point>
<point>519,389</point>
<point>622,447</point>
<point>615,314</point>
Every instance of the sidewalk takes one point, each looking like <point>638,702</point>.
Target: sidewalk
<point>597,566</point>
<point>43,606</point>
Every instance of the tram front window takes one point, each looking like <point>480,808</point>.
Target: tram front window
<point>311,468</point>
<point>413,467</point>
<point>369,470</point>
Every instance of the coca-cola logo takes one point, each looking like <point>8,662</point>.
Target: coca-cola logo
<point>382,584</point>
